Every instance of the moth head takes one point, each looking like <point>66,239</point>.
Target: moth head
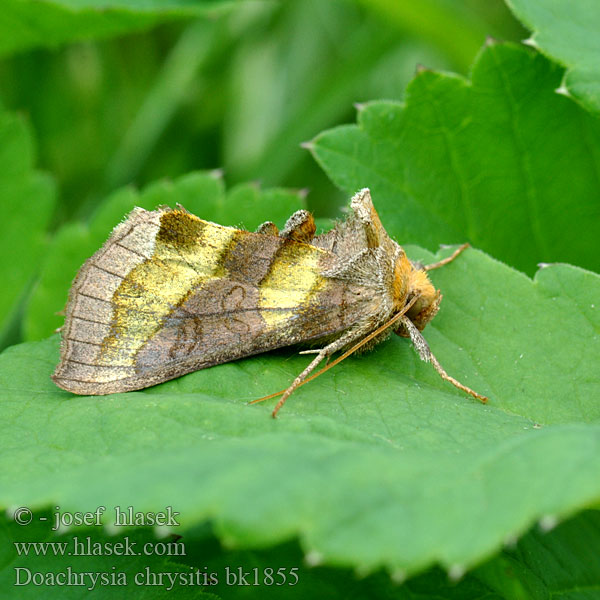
<point>428,299</point>
<point>411,282</point>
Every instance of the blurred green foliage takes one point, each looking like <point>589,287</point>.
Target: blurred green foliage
<point>240,91</point>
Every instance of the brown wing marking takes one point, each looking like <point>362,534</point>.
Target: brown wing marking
<point>274,296</point>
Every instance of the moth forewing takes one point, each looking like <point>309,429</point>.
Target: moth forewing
<point>196,294</point>
<point>169,293</point>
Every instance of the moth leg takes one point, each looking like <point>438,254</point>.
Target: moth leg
<point>299,227</point>
<point>425,353</point>
<point>326,352</point>
<point>445,261</point>
<point>314,351</point>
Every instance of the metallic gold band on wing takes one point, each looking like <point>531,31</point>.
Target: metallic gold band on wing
<point>156,286</point>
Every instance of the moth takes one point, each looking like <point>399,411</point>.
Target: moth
<point>169,293</point>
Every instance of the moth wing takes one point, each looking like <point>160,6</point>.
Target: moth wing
<point>170,293</point>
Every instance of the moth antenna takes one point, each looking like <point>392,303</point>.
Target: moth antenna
<point>445,261</point>
<point>422,347</point>
<point>304,378</point>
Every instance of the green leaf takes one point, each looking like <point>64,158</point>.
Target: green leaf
<point>561,563</point>
<point>569,32</point>
<point>27,204</point>
<point>378,463</point>
<point>564,563</point>
<point>200,193</point>
<point>30,23</point>
<point>500,161</point>
<point>322,581</point>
